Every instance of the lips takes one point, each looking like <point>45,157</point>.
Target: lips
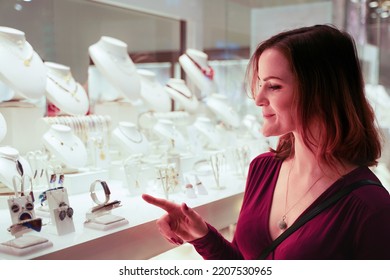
<point>267,116</point>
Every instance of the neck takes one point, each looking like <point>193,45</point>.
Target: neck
<point>307,164</point>
<point>12,36</point>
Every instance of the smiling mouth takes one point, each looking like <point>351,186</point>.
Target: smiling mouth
<point>267,116</point>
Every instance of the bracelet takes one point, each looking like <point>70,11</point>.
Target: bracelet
<point>106,192</point>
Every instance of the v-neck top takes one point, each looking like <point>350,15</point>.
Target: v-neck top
<point>356,227</point>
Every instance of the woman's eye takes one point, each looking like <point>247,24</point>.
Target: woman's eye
<point>275,87</point>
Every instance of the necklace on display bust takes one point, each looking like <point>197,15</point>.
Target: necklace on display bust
<point>15,42</point>
<point>19,53</point>
<point>207,71</point>
<point>186,95</point>
<point>138,139</point>
<point>282,224</point>
<point>67,80</point>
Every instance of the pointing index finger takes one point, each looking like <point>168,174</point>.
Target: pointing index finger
<point>159,202</point>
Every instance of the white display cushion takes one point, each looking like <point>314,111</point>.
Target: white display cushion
<point>24,245</point>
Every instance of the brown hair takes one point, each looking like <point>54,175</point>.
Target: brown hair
<point>329,92</point>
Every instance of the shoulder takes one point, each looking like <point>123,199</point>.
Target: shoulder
<point>264,166</point>
<point>264,159</point>
<point>370,197</point>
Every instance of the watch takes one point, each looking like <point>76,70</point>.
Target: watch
<point>106,192</point>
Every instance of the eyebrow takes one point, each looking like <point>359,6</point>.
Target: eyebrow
<point>269,78</point>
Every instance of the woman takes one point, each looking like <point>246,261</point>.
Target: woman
<point>309,85</point>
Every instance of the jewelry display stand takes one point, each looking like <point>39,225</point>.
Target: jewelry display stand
<point>65,146</point>
<point>21,209</point>
<point>209,132</point>
<point>130,139</point>
<point>64,91</point>
<point>195,65</point>
<point>100,217</point>
<point>21,67</point>
<point>217,103</point>
<point>112,60</point>
<point>178,91</point>
<point>153,93</point>
<point>61,213</point>
<point>167,130</point>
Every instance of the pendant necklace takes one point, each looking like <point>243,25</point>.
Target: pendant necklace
<point>282,224</point>
<point>21,44</point>
<point>138,140</point>
<point>72,92</point>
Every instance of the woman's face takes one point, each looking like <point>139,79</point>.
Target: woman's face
<point>275,93</point>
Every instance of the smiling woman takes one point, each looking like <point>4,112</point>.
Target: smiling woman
<point>310,88</point>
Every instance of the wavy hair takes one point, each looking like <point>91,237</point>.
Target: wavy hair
<point>329,91</point>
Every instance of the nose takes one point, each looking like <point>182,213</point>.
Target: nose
<point>260,98</point>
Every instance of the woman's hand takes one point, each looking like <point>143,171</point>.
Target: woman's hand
<point>180,223</point>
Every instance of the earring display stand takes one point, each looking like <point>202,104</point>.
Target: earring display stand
<point>61,212</point>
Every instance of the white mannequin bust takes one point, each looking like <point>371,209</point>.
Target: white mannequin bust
<point>65,146</point>
<point>179,92</point>
<point>166,129</point>
<point>131,139</point>
<point>3,127</point>
<point>21,68</point>
<point>208,131</point>
<point>111,58</point>
<point>195,65</point>
<point>63,91</point>
<point>153,93</point>
<point>217,103</point>
<point>9,158</point>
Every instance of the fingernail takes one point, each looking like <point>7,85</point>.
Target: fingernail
<point>174,240</point>
<point>185,206</point>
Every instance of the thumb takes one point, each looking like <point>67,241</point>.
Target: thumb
<point>189,212</point>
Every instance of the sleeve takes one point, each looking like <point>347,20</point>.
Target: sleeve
<point>373,241</point>
<point>213,246</point>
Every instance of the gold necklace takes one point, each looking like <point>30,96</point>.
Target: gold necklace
<point>282,224</point>
<point>73,92</point>
<point>20,43</point>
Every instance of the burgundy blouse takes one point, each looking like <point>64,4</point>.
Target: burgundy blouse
<point>357,227</point>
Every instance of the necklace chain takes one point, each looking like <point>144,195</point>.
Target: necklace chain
<point>208,72</point>
<point>282,224</point>
<point>179,91</point>
<point>137,141</point>
<point>20,43</point>
<point>72,92</point>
